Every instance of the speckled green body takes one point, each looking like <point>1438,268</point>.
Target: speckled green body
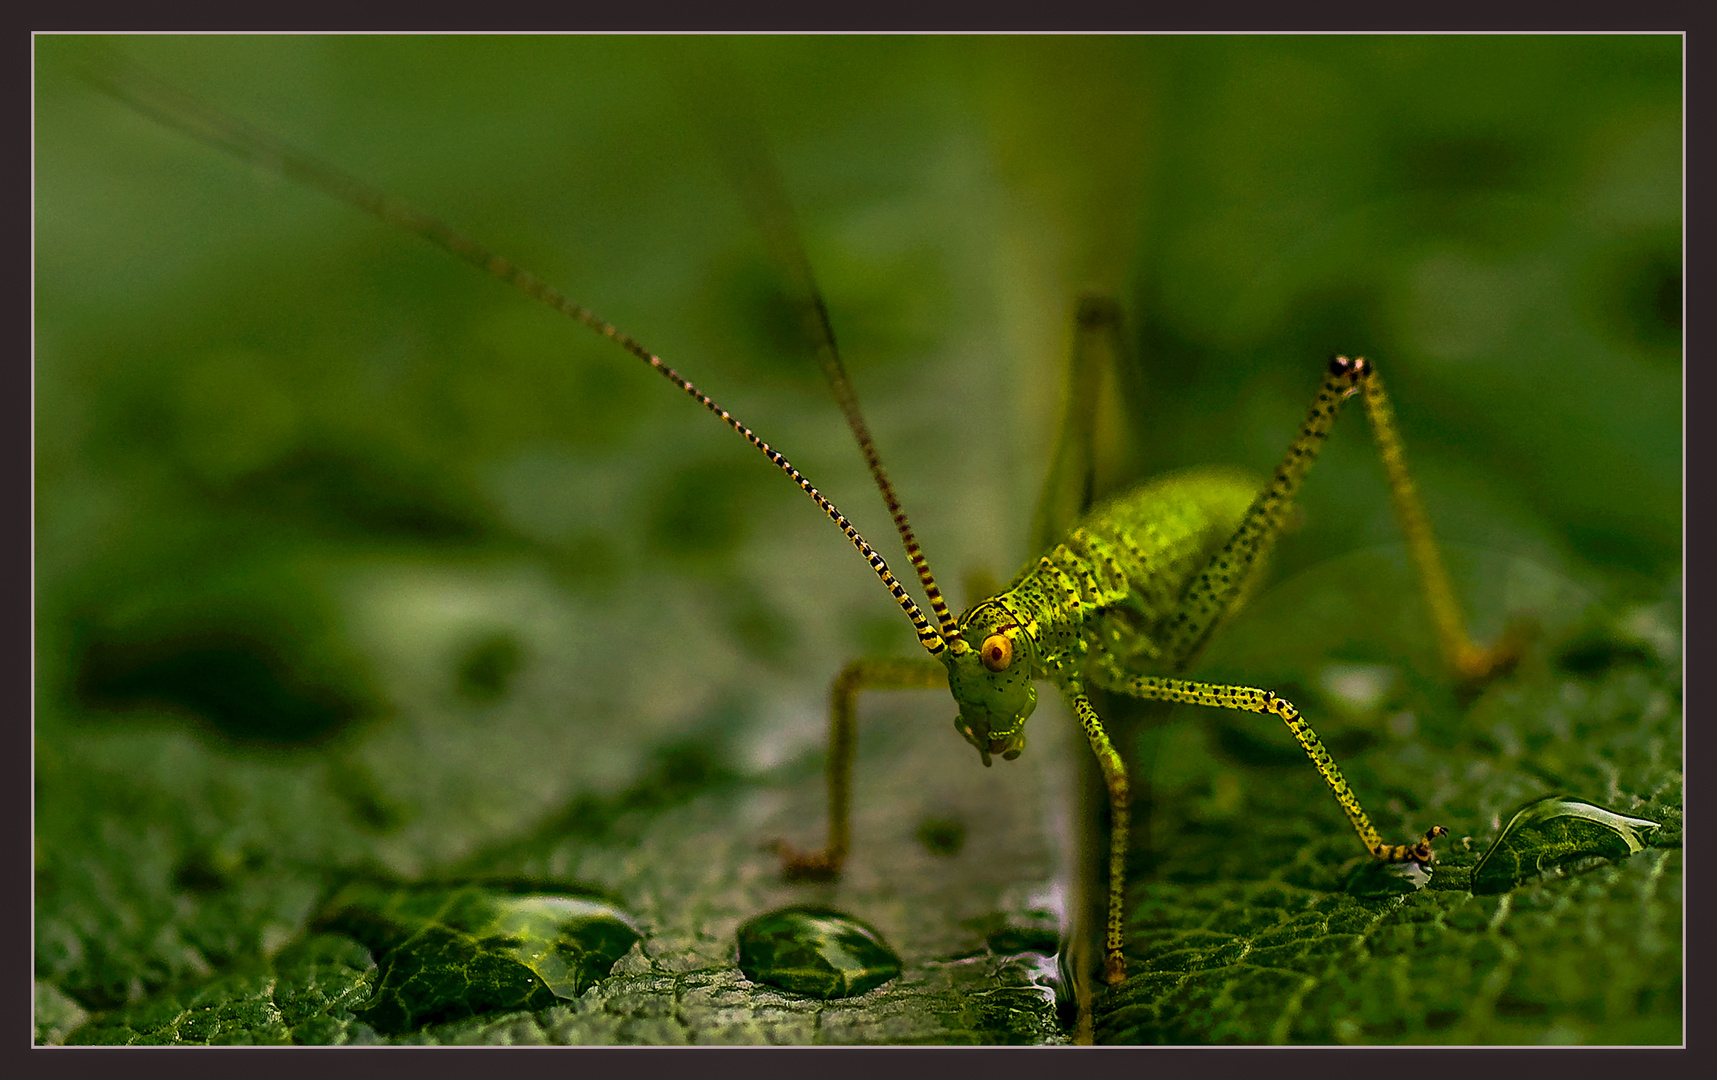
<point>1117,582</point>
<point>1128,563</point>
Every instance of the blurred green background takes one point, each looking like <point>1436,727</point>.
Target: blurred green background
<point>348,556</point>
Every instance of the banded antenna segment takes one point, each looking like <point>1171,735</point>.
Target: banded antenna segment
<point>753,171</point>
<point>128,82</point>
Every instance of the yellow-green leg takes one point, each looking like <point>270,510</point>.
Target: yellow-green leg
<point>1105,673</point>
<point>1469,661</point>
<point>892,674</point>
<point>1224,582</point>
<point>1120,817</point>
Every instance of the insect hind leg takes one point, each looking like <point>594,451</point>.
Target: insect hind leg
<point>1227,578</point>
<point>1090,458</point>
<point>1472,663</point>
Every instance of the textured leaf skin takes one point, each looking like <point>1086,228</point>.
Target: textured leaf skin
<point>1236,945</point>
<point>308,994</point>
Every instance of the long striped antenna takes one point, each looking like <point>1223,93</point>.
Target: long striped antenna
<point>751,167</point>
<point>123,79</point>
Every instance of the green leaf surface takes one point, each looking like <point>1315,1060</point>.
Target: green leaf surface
<point>307,994</point>
<point>1250,933</point>
<point>365,586</point>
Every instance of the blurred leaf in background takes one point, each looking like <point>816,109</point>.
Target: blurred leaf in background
<point>352,561</point>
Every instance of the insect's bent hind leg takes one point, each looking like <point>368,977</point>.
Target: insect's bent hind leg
<point>891,674</point>
<point>1120,801</point>
<point>1471,662</point>
<point>1105,672</point>
<point>1090,433</point>
<point>1218,588</point>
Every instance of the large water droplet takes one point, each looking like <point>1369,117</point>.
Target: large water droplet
<point>818,952</point>
<point>1552,831</point>
<point>447,951</point>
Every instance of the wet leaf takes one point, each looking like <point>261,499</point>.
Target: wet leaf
<point>310,993</point>
<point>376,473</point>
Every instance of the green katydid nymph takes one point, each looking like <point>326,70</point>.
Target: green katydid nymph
<point>1120,596</point>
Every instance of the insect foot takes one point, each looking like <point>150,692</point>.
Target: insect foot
<point>1419,852</point>
<point>1476,666</point>
<point>1114,969</point>
<point>796,865</point>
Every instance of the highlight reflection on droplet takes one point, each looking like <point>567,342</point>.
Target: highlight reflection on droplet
<point>1551,831</point>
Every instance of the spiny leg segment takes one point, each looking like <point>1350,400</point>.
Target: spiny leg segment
<point>1214,593</point>
<point>1109,675</point>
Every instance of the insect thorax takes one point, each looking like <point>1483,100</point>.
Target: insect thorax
<point>1117,578</point>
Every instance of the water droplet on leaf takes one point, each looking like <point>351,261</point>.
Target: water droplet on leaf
<point>447,951</point>
<point>1552,831</point>
<point>817,952</point>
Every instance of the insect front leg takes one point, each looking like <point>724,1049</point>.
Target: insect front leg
<point>906,673</point>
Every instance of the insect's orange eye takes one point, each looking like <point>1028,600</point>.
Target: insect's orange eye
<point>998,652</point>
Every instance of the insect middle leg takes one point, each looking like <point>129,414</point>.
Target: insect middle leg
<point>1105,672</point>
<point>904,673</point>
